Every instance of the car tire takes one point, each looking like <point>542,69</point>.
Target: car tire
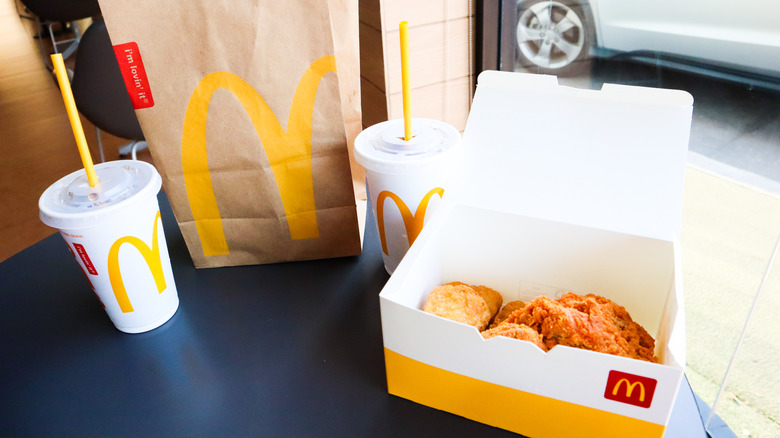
<point>553,36</point>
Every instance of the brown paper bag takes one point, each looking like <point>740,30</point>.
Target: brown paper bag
<point>248,121</point>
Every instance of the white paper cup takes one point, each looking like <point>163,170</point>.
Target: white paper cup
<point>406,179</point>
<point>115,233</point>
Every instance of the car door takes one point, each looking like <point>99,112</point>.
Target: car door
<point>743,33</point>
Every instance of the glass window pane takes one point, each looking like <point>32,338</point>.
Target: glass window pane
<point>728,58</point>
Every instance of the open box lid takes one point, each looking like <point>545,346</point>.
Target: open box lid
<point>612,158</point>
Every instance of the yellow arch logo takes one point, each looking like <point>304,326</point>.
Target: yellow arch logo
<point>412,222</point>
<point>288,152</point>
<point>151,257</point>
<point>630,389</point>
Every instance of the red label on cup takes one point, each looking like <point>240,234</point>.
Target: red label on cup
<point>134,74</point>
<point>85,258</point>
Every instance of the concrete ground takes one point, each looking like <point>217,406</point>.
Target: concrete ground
<point>731,222</point>
<point>728,235</point>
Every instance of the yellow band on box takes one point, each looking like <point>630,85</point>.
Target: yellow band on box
<point>510,409</point>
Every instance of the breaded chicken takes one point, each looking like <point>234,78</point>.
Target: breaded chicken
<point>590,321</point>
<point>516,331</point>
<point>507,310</point>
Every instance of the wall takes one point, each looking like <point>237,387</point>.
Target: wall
<point>439,52</point>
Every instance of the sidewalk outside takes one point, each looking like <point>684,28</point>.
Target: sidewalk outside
<point>728,233</point>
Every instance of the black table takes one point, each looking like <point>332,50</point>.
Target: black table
<point>290,349</point>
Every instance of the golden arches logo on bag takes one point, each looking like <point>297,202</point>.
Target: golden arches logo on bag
<point>412,222</point>
<point>288,152</point>
<point>151,257</point>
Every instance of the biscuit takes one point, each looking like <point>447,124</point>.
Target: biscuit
<point>462,303</point>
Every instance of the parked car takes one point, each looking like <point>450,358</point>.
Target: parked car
<point>736,40</point>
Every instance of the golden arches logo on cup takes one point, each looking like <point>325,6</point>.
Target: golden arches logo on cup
<point>404,171</point>
<point>288,152</point>
<point>412,222</point>
<point>151,257</point>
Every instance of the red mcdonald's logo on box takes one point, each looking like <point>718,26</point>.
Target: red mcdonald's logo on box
<point>630,388</point>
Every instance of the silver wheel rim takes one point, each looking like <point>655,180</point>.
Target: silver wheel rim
<point>550,34</point>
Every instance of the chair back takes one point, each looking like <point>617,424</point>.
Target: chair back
<point>63,10</point>
<point>98,87</point>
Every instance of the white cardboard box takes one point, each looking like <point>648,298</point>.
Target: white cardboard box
<point>562,190</point>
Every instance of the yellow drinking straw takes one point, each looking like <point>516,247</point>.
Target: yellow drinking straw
<point>73,115</point>
<point>403,27</point>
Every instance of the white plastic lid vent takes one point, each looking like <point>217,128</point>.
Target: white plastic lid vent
<point>382,148</point>
<point>72,203</point>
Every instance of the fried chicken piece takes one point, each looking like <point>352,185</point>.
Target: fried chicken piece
<point>516,331</point>
<point>506,311</point>
<point>590,321</point>
<point>463,303</point>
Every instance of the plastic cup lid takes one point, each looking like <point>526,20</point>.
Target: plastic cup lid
<point>382,148</point>
<point>72,203</point>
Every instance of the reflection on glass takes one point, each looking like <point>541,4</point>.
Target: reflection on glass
<point>731,214</point>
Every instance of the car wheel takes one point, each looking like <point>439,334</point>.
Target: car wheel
<point>553,36</point>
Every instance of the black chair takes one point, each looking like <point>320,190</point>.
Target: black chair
<point>48,13</point>
<point>100,93</point>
